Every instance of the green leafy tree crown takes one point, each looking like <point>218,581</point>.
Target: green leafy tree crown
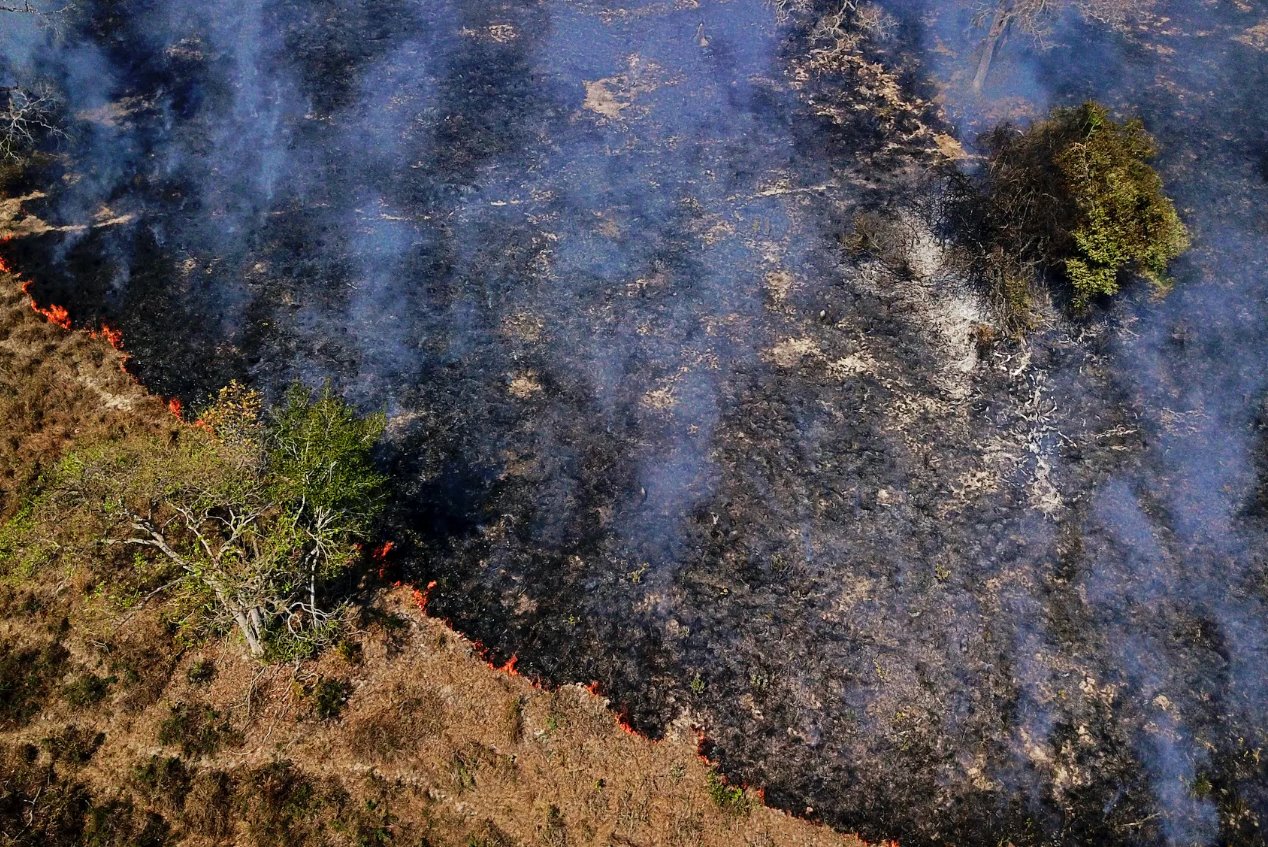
<point>1076,193</point>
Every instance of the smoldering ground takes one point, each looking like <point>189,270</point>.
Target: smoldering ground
<point>652,425</point>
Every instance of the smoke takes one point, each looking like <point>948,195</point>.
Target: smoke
<point>651,424</point>
<point>1190,369</point>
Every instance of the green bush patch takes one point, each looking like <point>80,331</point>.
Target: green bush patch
<point>1073,196</point>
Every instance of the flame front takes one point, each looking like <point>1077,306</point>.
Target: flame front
<point>55,314</point>
<point>113,337</point>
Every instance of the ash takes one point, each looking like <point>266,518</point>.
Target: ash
<point>654,425</point>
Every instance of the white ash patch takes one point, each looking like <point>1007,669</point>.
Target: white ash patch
<point>780,283</point>
<point>660,399</point>
<point>612,96</point>
<point>945,304</point>
<point>790,352</point>
<point>852,365</point>
<point>498,33</point>
<point>524,386</point>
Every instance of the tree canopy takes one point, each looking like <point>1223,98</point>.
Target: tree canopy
<point>251,513</point>
<point>1075,194</point>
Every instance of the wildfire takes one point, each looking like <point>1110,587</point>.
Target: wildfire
<point>113,337</point>
<point>58,316</point>
<point>623,721</point>
<point>379,554</point>
<point>55,314</point>
<point>175,406</point>
<point>622,714</point>
<point>508,667</point>
<point>421,597</point>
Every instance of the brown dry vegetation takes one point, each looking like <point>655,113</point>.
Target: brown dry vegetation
<point>57,386</point>
<point>112,731</point>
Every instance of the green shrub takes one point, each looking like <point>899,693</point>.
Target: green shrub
<point>26,676</point>
<point>201,672</point>
<point>729,798</point>
<point>278,804</point>
<point>350,651</point>
<point>86,690</point>
<point>117,822</point>
<point>247,521</point>
<point>73,745</point>
<point>164,779</point>
<point>1073,195</point>
<point>327,697</point>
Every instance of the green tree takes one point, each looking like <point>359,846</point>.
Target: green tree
<point>1076,194</point>
<point>254,513</point>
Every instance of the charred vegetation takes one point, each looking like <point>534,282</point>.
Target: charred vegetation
<point>692,391</point>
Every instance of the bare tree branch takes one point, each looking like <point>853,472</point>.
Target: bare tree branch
<point>25,118</point>
<point>1035,17</point>
<point>36,9</point>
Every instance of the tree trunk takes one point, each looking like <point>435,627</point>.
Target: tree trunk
<point>999,24</point>
<point>312,591</point>
<point>249,625</point>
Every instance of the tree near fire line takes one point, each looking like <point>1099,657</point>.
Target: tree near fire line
<point>250,514</point>
<point>1035,17</point>
<point>1073,194</point>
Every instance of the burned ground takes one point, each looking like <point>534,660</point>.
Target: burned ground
<point>654,425</point>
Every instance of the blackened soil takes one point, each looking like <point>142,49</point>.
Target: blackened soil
<point>652,425</point>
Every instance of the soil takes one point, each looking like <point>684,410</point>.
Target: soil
<point>654,424</point>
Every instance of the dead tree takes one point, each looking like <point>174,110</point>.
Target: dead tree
<point>26,117</point>
<point>1034,17</point>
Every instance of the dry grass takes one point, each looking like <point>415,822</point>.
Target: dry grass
<point>159,744</point>
<point>432,741</point>
<point>57,386</point>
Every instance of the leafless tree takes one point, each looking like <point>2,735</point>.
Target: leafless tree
<point>26,113</point>
<point>1034,17</point>
<point>50,15</point>
<point>26,116</point>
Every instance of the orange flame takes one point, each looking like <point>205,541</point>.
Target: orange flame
<point>175,406</point>
<point>623,721</point>
<point>379,554</point>
<point>421,597</point>
<point>114,337</point>
<point>55,314</point>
